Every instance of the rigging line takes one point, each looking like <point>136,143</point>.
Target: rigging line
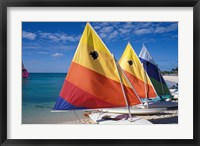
<point>77,117</point>
<point>160,80</point>
<point>99,114</point>
<point>145,84</point>
<point>123,91</point>
<point>129,82</point>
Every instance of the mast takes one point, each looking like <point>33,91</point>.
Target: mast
<point>147,73</point>
<point>125,97</point>
<point>129,82</point>
<point>160,79</point>
<point>145,90</point>
<point>23,66</point>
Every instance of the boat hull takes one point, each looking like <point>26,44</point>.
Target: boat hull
<point>160,104</point>
<point>174,93</point>
<point>134,110</point>
<point>122,119</point>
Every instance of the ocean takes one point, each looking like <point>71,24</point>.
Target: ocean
<point>42,87</point>
<point>39,94</point>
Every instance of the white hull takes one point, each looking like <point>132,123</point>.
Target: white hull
<point>117,119</point>
<point>175,96</point>
<point>134,110</point>
<point>160,104</point>
<point>174,93</point>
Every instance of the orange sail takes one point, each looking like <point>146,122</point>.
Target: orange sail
<point>93,80</point>
<point>135,72</point>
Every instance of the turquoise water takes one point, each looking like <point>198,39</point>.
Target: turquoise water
<point>42,87</point>
<point>39,94</point>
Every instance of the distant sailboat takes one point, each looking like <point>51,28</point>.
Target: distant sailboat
<point>94,79</point>
<point>25,73</point>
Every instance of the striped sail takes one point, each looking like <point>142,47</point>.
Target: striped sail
<point>135,72</point>
<point>154,73</point>
<point>93,80</point>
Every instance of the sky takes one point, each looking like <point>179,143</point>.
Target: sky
<point>50,46</point>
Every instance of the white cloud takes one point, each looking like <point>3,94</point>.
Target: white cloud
<point>57,55</point>
<point>174,36</point>
<point>97,27</point>
<point>103,35</point>
<point>31,45</point>
<point>169,28</point>
<point>142,31</point>
<point>104,23</point>
<point>172,27</point>
<point>65,37</point>
<point>160,29</point>
<point>59,37</point>
<point>28,35</point>
<point>113,34</point>
<point>107,29</point>
<point>50,36</point>
<point>110,31</point>
<point>123,30</point>
<point>128,25</point>
<point>145,24</point>
<point>44,53</point>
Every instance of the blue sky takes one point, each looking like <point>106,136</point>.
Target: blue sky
<point>50,46</point>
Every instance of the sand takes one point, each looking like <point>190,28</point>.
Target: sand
<point>171,78</point>
<point>167,117</point>
<point>43,114</point>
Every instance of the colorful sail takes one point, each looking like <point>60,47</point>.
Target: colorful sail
<point>135,72</point>
<point>25,73</point>
<point>92,80</point>
<point>154,73</point>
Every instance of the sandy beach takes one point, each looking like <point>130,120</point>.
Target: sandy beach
<point>171,78</point>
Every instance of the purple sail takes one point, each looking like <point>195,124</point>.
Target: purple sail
<point>25,73</point>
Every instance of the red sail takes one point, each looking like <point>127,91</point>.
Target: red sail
<point>25,73</point>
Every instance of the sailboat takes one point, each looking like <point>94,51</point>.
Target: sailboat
<point>94,81</point>
<point>134,70</point>
<point>157,80</point>
<point>25,73</point>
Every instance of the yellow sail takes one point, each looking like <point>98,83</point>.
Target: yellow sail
<point>135,72</point>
